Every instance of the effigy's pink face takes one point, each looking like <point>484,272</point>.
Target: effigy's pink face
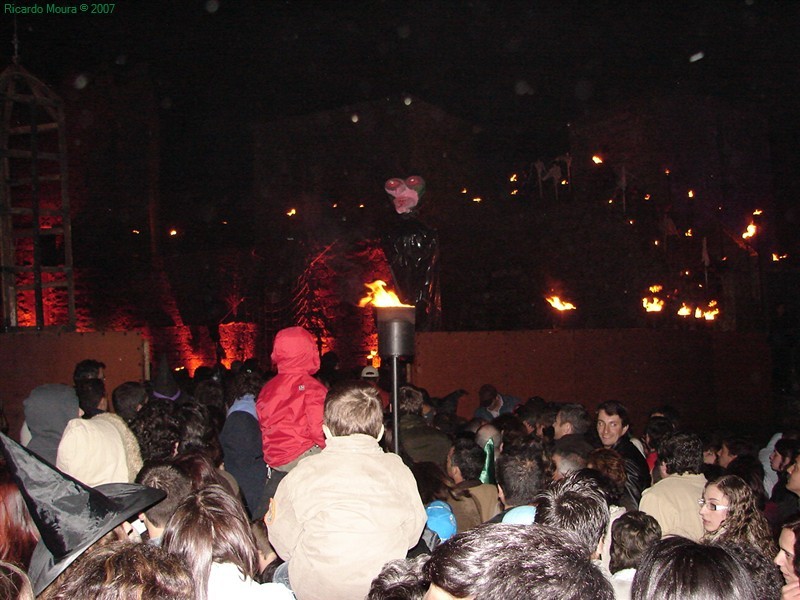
<point>406,203</point>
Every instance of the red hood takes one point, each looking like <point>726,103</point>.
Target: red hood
<point>295,351</point>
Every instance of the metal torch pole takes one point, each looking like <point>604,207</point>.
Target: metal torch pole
<point>395,409</point>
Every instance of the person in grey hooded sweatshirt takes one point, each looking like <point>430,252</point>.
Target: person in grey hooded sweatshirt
<point>48,408</point>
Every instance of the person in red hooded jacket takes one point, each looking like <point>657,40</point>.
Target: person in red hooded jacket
<point>290,407</point>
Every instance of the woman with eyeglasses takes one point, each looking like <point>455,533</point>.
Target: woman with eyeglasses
<point>787,559</point>
<point>729,514</point>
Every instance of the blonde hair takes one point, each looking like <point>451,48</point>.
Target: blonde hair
<point>353,407</point>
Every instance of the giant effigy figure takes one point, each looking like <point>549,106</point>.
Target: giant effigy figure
<point>412,249</point>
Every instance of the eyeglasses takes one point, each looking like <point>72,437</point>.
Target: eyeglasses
<point>711,506</point>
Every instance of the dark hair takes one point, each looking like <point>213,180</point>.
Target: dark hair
<point>516,563</point>
<point>198,432</point>
<point>469,457</point>
<point>788,448</point>
<point>127,398</point>
<point>409,401</point>
<point>739,446</point>
<point>487,394</point>
<point>400,579</point>
<point>157,429</point>
<point>87,369</point>
<point>209,526</point>
<point>632,533</point>
<point>574,449</point>
<point>793,525</point>
<point>353,407</point>
<point>575,504</point>
<point>128,571</point>
<point>519,473</point>
<point>245,382</point>
<point>432,481</point>
<point>200,471</point>
<point>668,412</point>
<point>681,453</point>
<point>576,415</point>
<point>211,395</point>
<point>750,469</point>
<point>764,574</point>
<point>655,430</point>
<point>612,407</point>
<point>90,393</point>
<point>676,568</point>
<point>169,479</point>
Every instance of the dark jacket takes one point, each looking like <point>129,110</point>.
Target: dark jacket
<point>635,468</point>
<point>422,442</point>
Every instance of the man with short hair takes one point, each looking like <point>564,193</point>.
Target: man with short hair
<point>420,441</point>
<point>519,479</point>
<point>571,419</point>
<point>510,562</point>
<point>493,403</point>
<point>732,448</point>
<point>472,502</point>
<point>175,484</point>
<point>612,428</point>
<point>672,501</point>
<point>570,453</point>
<point>127,398</point>
<point>577,505</point>
<point>340,515</point>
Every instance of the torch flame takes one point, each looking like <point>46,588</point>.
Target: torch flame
<point>656,288</point>
<point>751,231</point>
<point>556,303</point>
<point>684,311</point>
<point>379,296</point>
<point>653,304</point>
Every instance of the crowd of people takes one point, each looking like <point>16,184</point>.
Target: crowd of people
<point>243,483</point>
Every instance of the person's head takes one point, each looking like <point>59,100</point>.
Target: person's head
<point>409,400</point>
<point>127,398</point>
<point>575,504</point>
<point>209,526</point>
<point>432,482</point>
<point>612,422</point>
<point>197,466</point>
<point>400,579</point>
<point>788,556</point>
<point>654,431</point>
<point>750,469</point>
<point>514,563</point>
<point>157,429</point>
<point>785,452</point>
<point>610,464</point>
<point>681,453</point>
<point>353,407</point>
<point>631,535</point>
<point>764,575</point>
<point>128,571</point>
<point>569,454</point>
<point>676,568</point>
<point>91,396</point>
<point>733,447</point>
<point>487,394</point>
<point>729,513</point>
<point>487,432</point>
<point>667,411</point>
<point>519,476</point>
<point>14,582</point>
<point>170,479</point>
<point>571,418</point>
<point>245,383</point>
<point>465,460</point>
<point>88,369</point>
<point>18,534</point>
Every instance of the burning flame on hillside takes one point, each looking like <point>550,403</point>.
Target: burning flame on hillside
<point>653,304</point>
<point>379,296</point>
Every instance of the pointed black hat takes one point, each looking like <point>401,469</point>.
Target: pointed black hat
<point>69,515</point>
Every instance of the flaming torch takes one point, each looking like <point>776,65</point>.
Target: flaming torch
<point>560,306</point>
<point>395,337</point>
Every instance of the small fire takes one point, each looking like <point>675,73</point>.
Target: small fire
<point>380,296</point>
<point>513,177</point>
<point>597,160</point>
<point>653,304</point>
<point>712,312</point>
<point>777,257</point>
<point>291,212</point>
<point>656,288</point>
<point>758,212</point>
<point>558,304</point>
<point>688,233</point>
<point>751,231</point>
<point>684,311</point>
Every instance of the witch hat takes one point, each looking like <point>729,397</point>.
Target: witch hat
<point>69,515</point>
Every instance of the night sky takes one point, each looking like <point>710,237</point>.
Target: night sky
<point>519,70</point>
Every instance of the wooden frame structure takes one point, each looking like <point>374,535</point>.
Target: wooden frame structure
<point>35,229</point>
